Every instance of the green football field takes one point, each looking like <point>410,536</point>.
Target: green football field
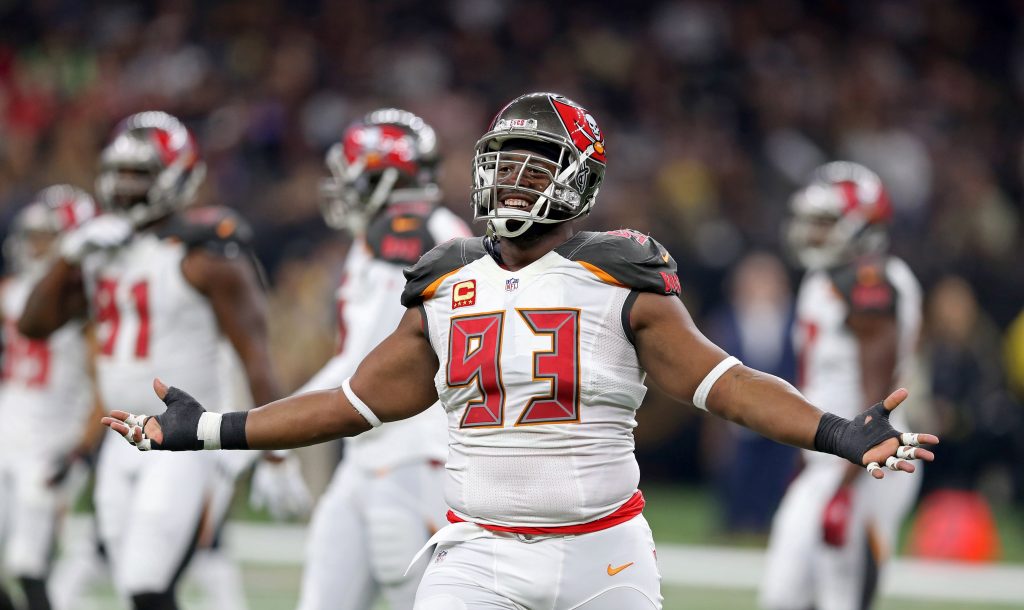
<point>681,519</point>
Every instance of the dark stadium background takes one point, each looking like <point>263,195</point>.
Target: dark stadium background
<point>713,112</point>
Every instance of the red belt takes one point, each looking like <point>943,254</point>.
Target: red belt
<point>633,507</point>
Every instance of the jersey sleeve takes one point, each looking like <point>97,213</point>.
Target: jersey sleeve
<point>423,278</point>
<point>865,287</point>
<point>215,228</point>
<point>626,258</point>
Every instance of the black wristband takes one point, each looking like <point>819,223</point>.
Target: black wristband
<point>831,429</point>
<point>232,430</point>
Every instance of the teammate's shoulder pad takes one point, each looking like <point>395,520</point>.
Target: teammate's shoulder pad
<point>423,278</point>
<point>865,285</point>
<point>216,228</point>
<point>400,234</point>
<point>626,258</point>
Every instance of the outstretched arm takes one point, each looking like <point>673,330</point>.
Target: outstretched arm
<point>395,381</point>
<point>679,358</point>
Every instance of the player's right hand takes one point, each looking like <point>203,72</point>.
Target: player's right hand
<point>176,429</point>
<point>99,233</point>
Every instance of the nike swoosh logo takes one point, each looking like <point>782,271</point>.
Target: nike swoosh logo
<point>613,571</point>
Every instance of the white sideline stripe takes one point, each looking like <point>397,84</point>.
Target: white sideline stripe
<point>686,565</point>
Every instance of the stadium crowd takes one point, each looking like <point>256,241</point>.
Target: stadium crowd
<point>714,112</point>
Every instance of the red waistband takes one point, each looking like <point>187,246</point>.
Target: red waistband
<point>633,507</point>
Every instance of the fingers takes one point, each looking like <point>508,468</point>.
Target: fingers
<point>914,453</point>
<point>875,470</point>
<point>160,388</point>
<point>893,400</point>
<point>130,426</point>
<point>914,439</point>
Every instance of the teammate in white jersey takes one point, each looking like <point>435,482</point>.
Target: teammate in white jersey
<point>537,340</point>
<point>48,378</point>
<point>387,497</point>
<point>163,283</point>
<point>858,318</point>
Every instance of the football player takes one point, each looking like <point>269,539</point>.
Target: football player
<point>387,497</point>
<point>537,339</point>
<point>858,318</point>
<point>48,378</point>
<point>162,282</point>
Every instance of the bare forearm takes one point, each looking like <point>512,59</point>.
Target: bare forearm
<point>765,404</point>
<point>52,302</point>
<point>305,419</point>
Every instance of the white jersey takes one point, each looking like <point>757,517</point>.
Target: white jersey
<point>369,308</point>
<point>539,375</point>
<point>44,380</point>
<point>151,321</point>
<point>830,375</point>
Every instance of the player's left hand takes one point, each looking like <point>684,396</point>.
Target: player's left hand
<point>897,451</point>
<point>278,486</point>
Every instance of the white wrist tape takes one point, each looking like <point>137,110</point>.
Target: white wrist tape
<point>208,430</point>
<point>359,405</point>
<point>701,395</point>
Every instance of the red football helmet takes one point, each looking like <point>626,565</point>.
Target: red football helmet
<point>564,148</point>
<point>842,213</point>
<point>34,230</point>
<point>388,157</point>
<point>150,168</point>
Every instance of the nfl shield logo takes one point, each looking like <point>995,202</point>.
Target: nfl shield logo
<point>511,284</point>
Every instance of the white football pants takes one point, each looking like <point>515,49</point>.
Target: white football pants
<point>801,570</point>
<point>613,569</point>
<point>364,532</point>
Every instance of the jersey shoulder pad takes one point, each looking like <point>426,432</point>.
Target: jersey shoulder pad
<point>423,278</point>
<point>400,234</point>
<point>865,286</point>
<point>626,258</point>
<point>216,228</point>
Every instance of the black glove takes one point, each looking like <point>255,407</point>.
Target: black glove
<point>179,422</point>
<point>851,439</point>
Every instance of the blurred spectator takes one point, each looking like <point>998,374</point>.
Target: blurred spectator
<point>755,325</point>
<point>978,422</point>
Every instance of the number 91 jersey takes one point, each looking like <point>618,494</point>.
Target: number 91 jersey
<point>150,320</point>
<point>538,374</point>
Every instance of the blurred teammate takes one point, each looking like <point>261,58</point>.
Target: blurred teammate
<point>387,498</point>
<point>48,378</point>
<point>163,283</point>
<point>858,317</point>
<point>537,340</point>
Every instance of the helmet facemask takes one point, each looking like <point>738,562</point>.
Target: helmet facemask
<point>509,172</point>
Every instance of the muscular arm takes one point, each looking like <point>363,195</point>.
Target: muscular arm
<point>57,298</point>
<point>396,380</point>
<point>677,356</point>
<point>240,307</point>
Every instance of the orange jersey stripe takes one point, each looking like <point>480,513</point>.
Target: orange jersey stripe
<point>602,275</point>
<point>428,292</point>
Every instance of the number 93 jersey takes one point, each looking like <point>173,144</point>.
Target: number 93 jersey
<point>538,373</point>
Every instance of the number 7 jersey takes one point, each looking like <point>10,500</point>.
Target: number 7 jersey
<point>538,374</point>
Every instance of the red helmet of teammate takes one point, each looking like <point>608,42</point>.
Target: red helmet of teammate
<point>388,157</point>
<point>35,229</point>
<point>150,168</point>
<point>842,213</point>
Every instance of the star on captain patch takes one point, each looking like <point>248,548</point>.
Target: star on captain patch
<point>512,284</point>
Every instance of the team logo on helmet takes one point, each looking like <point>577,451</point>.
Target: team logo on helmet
<point>582,129</point>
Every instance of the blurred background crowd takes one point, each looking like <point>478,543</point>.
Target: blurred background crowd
<point>714,112</point>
